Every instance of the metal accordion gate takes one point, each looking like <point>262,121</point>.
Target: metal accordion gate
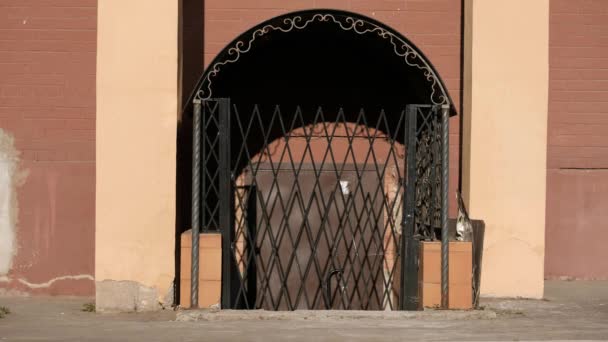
<point>318,209</point>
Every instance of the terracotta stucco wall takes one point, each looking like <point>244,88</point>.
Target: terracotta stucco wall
<point>432,25</point>
<point>47,146</point>
<point>577,165</point>
<point>505,139</point>
<point>136,149</point>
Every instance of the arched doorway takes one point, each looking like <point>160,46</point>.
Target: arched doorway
<point>303,128</point>
<point>318,52</point>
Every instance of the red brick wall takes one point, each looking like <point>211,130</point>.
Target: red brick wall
<point>47,102</point>
<point>432,25</point>
<point>577,175</point>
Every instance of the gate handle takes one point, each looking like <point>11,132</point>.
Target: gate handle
<point>328,299</point>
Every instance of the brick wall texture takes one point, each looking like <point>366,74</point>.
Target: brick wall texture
<point>577,163</point>
<point>432,25</point>
<point>47,103</point>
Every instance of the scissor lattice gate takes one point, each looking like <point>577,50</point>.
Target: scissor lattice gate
<point>313,204</point>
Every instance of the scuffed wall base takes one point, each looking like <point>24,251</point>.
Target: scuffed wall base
<point>125,296</point>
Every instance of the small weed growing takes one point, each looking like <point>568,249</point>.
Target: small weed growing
<point>4,311</point>
<point>88,307</point>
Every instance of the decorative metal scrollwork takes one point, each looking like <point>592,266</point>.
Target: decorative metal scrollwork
<point>428,176</point>
<point>346,22</point>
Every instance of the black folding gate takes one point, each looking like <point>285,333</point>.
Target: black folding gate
<point>319,208</point>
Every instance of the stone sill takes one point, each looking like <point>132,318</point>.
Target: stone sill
<point>339,315</point>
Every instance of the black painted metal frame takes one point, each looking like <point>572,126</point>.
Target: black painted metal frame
<point>216,168</point>
<point>354,23</point>
<point>425,212</point>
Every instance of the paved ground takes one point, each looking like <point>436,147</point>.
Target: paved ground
<point>572,311</point>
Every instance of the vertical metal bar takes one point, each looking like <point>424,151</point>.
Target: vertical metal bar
<point>225,202</point>
<point>196,169</point>
<point>409,254</point>
<point>251,222</point>
<point>445,243</point>
<point>204,174</point>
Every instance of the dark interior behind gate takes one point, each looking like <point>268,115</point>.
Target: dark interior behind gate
<point>313,202</point>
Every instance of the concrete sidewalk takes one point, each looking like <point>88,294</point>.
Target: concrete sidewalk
<point>572,311</point>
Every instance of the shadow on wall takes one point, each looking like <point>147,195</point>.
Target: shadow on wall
<point>191,67</point>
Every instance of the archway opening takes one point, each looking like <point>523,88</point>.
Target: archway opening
<point>342,63</point>
<point>322,65</point>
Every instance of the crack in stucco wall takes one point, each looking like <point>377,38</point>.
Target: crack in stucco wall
<point>48,283</point>
<point>10,178</point>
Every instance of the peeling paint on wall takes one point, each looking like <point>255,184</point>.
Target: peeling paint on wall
<point>9,180</point>
<point>126,296</point>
